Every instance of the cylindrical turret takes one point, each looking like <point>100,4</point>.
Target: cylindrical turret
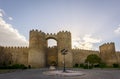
<point>37,53</point>
<point>108,53</point>
<point>33,39</point>
<point>64,42</point>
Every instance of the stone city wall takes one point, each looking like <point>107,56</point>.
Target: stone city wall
<point>79,55</point>
<point>38,54</point>
<point>19,54</point>
<point>52,56</point>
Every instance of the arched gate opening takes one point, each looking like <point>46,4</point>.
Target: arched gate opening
<point>52,52</point>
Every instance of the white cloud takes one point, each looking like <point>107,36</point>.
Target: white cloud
<point>10,18</point>
<point>117,31</point>
<point>10,36</point>
<point>87,42</point>
<point>88,38</point>
<point>1,12</point>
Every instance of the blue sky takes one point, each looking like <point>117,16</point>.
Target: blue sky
<point>91,22</point>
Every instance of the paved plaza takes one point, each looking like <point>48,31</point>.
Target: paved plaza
<point>38,74</point>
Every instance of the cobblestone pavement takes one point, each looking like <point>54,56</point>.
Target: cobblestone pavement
<point>38,74</point>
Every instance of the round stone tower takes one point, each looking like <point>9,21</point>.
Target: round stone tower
<point>37,46</point>
<point>64,42</point>
<point>108,53</point>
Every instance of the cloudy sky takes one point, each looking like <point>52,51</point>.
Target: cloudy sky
<point>91,22</point>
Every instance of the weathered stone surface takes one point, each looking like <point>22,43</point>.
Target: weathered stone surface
<point>108,54</point>
<point>39,55</point>
<point>79,55</point>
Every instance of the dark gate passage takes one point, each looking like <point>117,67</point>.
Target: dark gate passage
<point>52,56</point>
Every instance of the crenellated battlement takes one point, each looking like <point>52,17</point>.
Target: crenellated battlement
<point>108,53</point>
<point>107,44</point>
<point>79,50</point>
<point>52,47</point>
<point>51,34</point>
<point>17,54</point>
<point>38,50</point>
<point>15,47</point>
<point>64,32</point>
<point>36,31</point>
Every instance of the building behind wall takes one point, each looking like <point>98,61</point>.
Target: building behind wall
<point>38,54</point>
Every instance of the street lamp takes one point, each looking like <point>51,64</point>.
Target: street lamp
<point>64,52</point>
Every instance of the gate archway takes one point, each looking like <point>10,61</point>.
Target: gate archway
<point>52,51</point>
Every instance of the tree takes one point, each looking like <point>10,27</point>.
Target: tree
<point>93,59</point>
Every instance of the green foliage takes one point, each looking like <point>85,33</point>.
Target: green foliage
<point>18,66</point>
<point>76,65</point>
<point>87,67</point>
<point>102,65</point>
<point>15,66</point>
<point>82,65</point>
<point>115,65</point>
<point>97,65</point>
<point>93,59</point>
